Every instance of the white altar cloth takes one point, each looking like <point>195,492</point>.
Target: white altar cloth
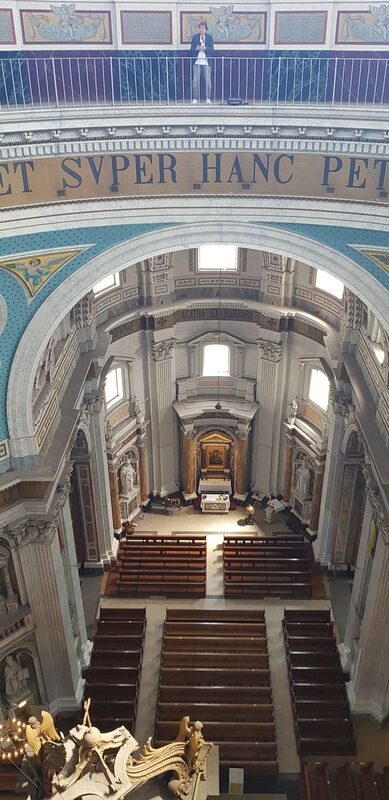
<point>215,503</point>
<point>219,485</point>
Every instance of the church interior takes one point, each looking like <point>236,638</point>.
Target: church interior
<point>217,497</point>
<point>194,402</point>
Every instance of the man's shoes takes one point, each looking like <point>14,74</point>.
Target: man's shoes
<point>208,100</point>
<point>194,101</point>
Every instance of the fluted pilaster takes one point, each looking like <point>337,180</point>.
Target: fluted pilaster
<point>188,464</point>
<point>41,562</point>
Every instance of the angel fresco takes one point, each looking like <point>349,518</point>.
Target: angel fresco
<point>64,24</point>
<point>371,26</point>
<point>35,270</point>
<point>231,27</point>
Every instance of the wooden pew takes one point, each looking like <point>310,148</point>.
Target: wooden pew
<point>326,747</point>
<point>223,731</point>
<point>206,659</point>
<point>306,615</point>
<point>214,615</point>
<point>205,644</point>
<point>298,590</point>
<point>310,630</point>
<point>314,675</point>
<point>161,588</point>
<point>298,659</point>
<point>325,729</point>
<point>319,644</point>
<point>319,691</point>
<point>220,629</point>
<point>322,709</point>
<point>119,709</point>
<point>112,674</point>
<point>126,692</point>
<point>245,712</point>
<point>116,658</point>
<point>120,613</point>
<point>120,628</point>
<point>199,676</point>
<point>122,643</point>
<point>222,695</point>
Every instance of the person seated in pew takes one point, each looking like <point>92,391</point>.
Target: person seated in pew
<point>128,528</point>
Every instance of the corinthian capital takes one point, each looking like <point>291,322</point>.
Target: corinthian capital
<point>34,531</point>
<point>270,351</point>
<point>162,350</point>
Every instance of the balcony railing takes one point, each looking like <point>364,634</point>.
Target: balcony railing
<point>59,82</point>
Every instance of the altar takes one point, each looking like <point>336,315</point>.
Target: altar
<point>214,484</point>
<point>215,503</point>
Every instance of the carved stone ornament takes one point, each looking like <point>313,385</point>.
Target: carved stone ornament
<point>162,350</point>
<point>270,351</point>
<point>341,402</point>
<point>94,403</point>
<point>39,531</point>
<point>85,311</point>
<point>352,310</point>
<point>189,431</point>
<point>375,499</point>
<point>109,434</point>
<point>63,489</point>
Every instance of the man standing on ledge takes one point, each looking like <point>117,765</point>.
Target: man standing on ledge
<point>202,49</point>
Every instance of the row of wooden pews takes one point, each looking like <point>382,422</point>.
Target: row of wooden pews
<point>320,705</point>
<point>162,565</point>
<point>215,668</point>
<point>112,680</point>
<point>271,566</point>
<point>347,782</point>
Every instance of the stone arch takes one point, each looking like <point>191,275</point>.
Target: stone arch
<point>176,237</point>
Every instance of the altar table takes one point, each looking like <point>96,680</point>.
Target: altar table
<point>212,485</point>
<point>215,503</point>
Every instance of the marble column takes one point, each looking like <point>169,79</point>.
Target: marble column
<point>267,426</point>
<point>41,562</point>
<point>101,483</point>
<point>162,395</point>
<point>240,472</point>
<point>142,465</point>
<point>316,501</point>
<point>331,484</point>
<point>369,689</point>
<point>288,469</point>
<point>188,477</point>
<point>115,504</point>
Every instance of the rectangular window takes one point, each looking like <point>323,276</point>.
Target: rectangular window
<point>217,257</point>
<point>114,386</point>
<point>216,360</point>
<point>107,283</point>
<point>319,388</point>
<point>327,283</point>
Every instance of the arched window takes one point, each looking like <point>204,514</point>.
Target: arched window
<point>217,257</point>
<point>327,283</point>
<point>216,360</point>
<point>319,388</point>
<point>114,386</point>
<point>107,283</point>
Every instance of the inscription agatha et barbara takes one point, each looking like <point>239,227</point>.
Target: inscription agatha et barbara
<point>44,180</point>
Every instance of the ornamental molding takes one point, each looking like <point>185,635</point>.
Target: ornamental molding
<point>260,140</point>
<point>162,350</point>
<point>270,351</point>
<point>375,498</point>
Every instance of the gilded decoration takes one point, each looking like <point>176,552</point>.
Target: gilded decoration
<point>90,763</point>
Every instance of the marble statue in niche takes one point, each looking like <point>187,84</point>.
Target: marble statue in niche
<point>127,478</point>
<point>15,677</point>
<point>303,480</point>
